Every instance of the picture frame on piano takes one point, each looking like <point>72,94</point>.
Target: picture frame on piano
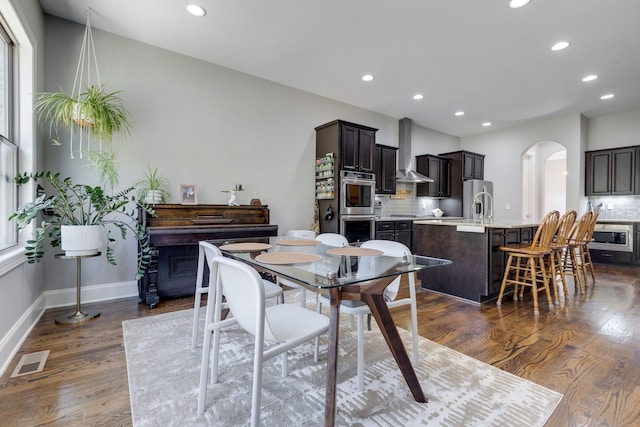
<point>188,195</point>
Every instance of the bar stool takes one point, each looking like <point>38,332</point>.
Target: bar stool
<point>558,248</point>
<point>572,261</point>
<point>533,255</point>
<point>586,255</point>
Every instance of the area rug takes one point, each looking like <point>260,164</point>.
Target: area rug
<point>164,373</point>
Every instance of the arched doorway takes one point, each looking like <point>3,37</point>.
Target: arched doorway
<point>543,179</point>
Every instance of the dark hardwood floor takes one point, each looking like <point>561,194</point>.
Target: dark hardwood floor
<point>587,348</point>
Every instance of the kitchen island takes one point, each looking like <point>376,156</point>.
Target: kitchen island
<point>474,248</point>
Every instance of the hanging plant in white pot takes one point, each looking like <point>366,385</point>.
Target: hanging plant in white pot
<point>89,112</point>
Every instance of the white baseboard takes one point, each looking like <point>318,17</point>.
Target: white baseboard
<point>12,341</point>
<point>95,293</point>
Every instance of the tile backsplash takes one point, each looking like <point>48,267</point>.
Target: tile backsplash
<point>617,207</point>
<point>611,207</point>
<point>409,205</point>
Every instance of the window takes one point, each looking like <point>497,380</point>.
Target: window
<point>8,149</point>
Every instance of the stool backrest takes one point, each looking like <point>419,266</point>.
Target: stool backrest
<point>580,231</point>
<point>546,231</point>
<point>565,225</point>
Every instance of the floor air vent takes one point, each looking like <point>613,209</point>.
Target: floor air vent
<point>31,363</point>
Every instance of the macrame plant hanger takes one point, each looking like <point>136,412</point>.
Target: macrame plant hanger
<point>86,60</point>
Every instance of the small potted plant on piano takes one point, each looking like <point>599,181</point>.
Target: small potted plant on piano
<point>76,216</point>
<point>153,188</point>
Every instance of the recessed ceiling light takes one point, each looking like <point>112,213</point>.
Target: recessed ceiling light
<point>486,124</point>
<point>196,10</point>
<point>589,78</point>
<point>418,96</point>
<point>560,46</point>
<point>607,96</point>
<point>367,77</point>
<point>515,4</point>
<point>459,113</point>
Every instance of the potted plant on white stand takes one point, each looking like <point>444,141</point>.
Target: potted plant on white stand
<point>74,213</point>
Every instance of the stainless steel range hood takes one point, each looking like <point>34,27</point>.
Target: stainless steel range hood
<point>405,172</point>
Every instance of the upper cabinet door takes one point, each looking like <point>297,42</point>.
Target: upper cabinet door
<point>623,165</point>
<point>385,169</point>
<point>598,171</point>
<point>611,172</point>
<point>473,166</point>
<point>366,148</point>
<point>349,137</point>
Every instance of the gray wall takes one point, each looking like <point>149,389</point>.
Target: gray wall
<point>22,287</point>
<point>504,148</point>
<point>201,124</point>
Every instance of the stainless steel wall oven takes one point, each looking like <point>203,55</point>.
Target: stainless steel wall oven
<point>357,193</point>
<point>357,228</point>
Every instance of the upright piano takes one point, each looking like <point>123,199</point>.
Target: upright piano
<point>174,234</point>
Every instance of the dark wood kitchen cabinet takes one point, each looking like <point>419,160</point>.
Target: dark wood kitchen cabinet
<point>356,144</point>
<point>436,168</point>
<point>385,160</point>
<point>353,148</point>
<point>612,172</point>
<point>398,231</point>
<point>464,165</point>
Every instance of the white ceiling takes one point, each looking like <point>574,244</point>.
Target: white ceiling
<point>479,56</point>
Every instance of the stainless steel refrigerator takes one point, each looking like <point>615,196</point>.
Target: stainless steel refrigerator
<point>484,207</point>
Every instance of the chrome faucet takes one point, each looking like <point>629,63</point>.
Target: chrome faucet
<point>479,200</point>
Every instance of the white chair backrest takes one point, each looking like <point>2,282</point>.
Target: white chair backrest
<point>244,293</point>
<point>206,253</point>
<point>390,248</point>
<point>333,239</point>
<point>301,234</point>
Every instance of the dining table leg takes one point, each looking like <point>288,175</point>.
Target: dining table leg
<point>373,296</point>
<point>332,357</point>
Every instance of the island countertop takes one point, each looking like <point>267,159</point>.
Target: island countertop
<point>498,223</point>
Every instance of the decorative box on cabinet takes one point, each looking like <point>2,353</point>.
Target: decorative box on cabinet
<point>436,168</point>
<point>385,160</point>
<point>612,172</point>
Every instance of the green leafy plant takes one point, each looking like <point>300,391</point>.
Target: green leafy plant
<point>106,163</point>
<point>67,203</point>
<point>96,111</point>
<point>153,181</point>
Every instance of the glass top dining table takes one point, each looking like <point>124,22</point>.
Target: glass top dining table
<point>351,273</point>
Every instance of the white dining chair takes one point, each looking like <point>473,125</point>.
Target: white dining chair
<point>206,252</point>
<point>360,309</point>
<point>287,325</point>
<point>329,239</point>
